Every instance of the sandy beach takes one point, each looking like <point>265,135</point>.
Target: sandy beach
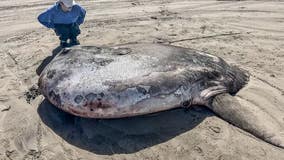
<point>249,34</point>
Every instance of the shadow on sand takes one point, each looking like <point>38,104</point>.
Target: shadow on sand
<point>47,60</point>
<point>120,136</point>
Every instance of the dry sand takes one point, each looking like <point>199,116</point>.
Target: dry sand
<point>40,131</point>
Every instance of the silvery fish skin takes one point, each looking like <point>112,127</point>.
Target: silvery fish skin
<point>135,79</point>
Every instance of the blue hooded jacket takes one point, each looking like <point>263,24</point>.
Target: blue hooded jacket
<point>55,15</point>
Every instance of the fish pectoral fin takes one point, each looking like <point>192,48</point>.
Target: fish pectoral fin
<point>212,91</point>
<point>250,118</point>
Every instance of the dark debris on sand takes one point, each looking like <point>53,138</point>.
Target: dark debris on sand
<point>32,93</point>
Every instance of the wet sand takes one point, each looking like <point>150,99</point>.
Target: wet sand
<point>249,34</point>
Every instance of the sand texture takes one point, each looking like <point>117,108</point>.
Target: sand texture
<point>249,34</point>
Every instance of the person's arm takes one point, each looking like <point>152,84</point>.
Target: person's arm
<point>46,18</point>
<point>82,15</point>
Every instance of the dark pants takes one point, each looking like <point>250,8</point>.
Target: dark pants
<point>67,31</point>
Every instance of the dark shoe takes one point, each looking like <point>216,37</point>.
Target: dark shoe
<point>63,44</point>
<point>74,42</point>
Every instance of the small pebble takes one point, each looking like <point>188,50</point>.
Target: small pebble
<point>272,75</point>
<point>4,108</point>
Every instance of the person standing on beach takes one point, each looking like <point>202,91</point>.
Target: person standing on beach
<point>64,17</point>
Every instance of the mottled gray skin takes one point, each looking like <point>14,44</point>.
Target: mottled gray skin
<point>137,79</point>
